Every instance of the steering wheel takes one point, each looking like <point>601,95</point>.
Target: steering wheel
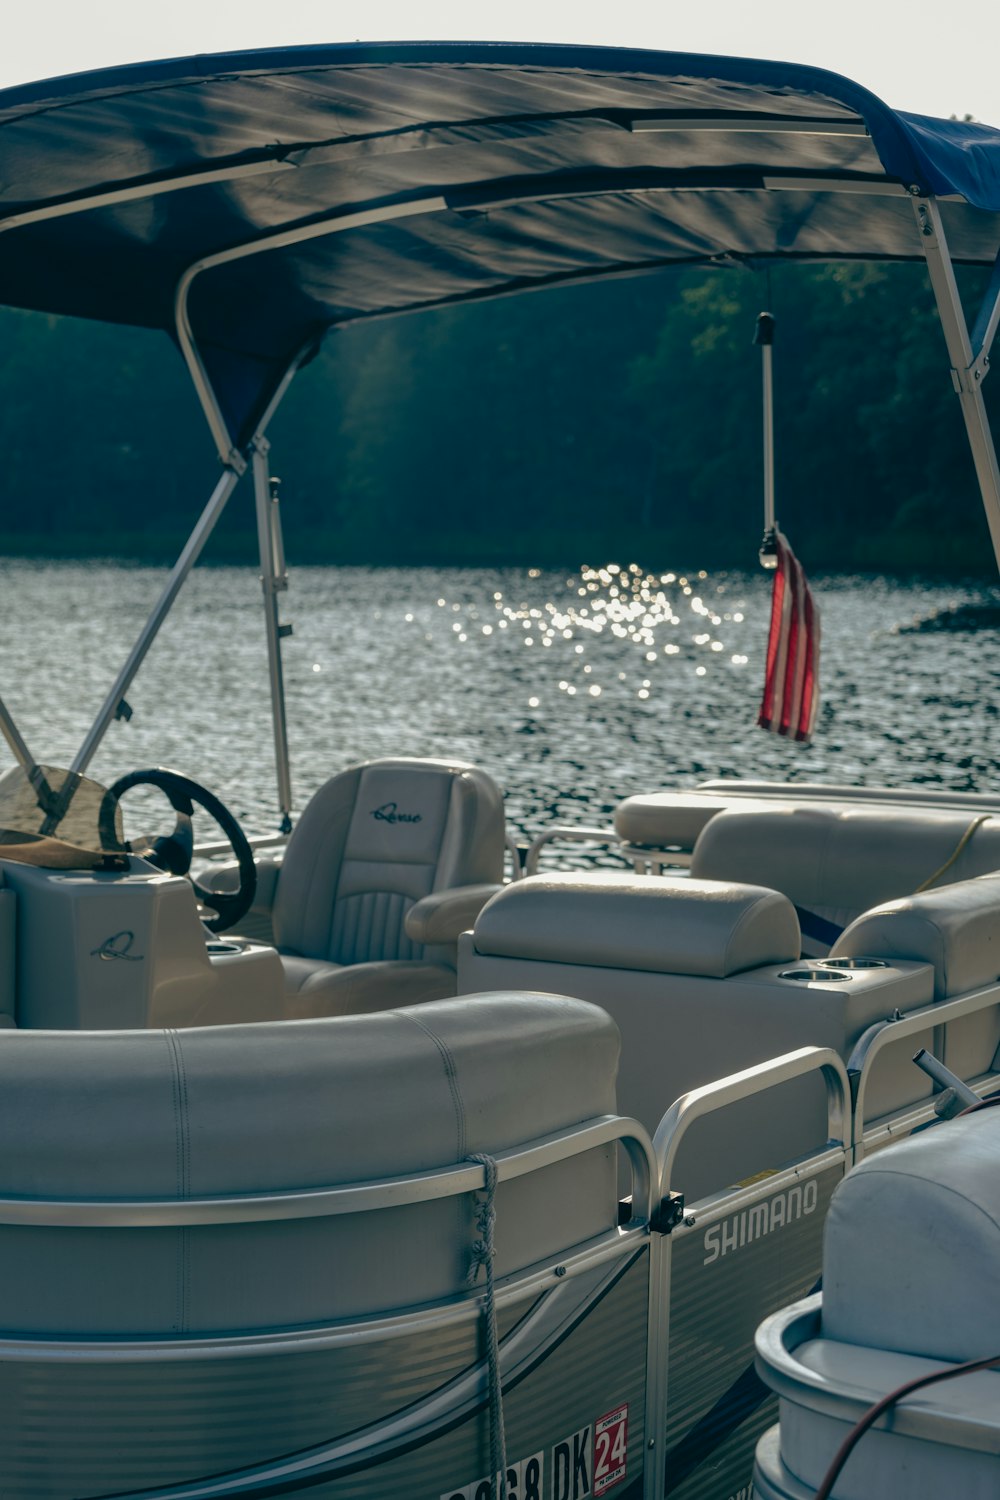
<point>175,851</point>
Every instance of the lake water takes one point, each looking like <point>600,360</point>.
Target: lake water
<point>572,689</point>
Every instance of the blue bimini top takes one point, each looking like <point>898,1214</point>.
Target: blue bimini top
<point>257,199</point>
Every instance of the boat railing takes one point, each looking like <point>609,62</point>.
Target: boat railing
<point>605,837</point>
<point>722,1262</point>
<point>355,1197</point>
<point>943,1028</point>
<point>217,848</point>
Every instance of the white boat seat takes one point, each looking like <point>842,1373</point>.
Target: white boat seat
<point>911,1289</point>
<point>931,1205</point>
<point>315,988</point>
<point>371,843</point>
<point>835,863</point>
<point>285,1107</point>
<point>672,820</point>
<point>696,974</point>
<point>956,929</point>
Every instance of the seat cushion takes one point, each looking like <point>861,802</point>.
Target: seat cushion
<point>269,1108</point>
<point>837,863</point>
<point>658,923</point>
<point>318,989</point>
<point>911,1258</point>
<point>664,820</point>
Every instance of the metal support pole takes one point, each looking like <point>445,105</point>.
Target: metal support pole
<point>767,354</point>
<point>192,551</point>
<point>988,320</point>
<point>967,370</point>
<point>25,759</point>
<point>764,336</point>
<point>274,581</point>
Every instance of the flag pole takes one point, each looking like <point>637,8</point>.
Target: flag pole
<point>764,337</point>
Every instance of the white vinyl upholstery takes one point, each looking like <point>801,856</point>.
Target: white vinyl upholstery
<point>371,843</point>
<point>838,863</point>
<point>669,925</point>
<point>911,1258</point>
<point>286,1107</point>
<point>703,980</point>
<point>317,989</point>
<point>955,928</point>
<point>665,820</point>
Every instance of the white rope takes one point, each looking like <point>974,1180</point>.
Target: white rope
<point>482,1258</point>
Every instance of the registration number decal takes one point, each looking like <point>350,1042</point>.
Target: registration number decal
<point>610,1449</point>
<point>525,1481</point>
<point>589,1462</point>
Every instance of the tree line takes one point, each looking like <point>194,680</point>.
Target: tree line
<point>577,424</point>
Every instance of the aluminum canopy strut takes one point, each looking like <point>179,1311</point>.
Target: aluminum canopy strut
<point>969,364</point>
<point>25,759</point>
<point>189,556</point>
<point>274,581</point>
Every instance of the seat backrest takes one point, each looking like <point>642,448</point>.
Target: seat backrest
<point>287,1107</point>
<point>373,841</point>
<point>838,863</point>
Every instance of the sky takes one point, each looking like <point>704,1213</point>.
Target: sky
<point>935,59</point>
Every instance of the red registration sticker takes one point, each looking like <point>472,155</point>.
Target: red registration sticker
<point>610,1449</point>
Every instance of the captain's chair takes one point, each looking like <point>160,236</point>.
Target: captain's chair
<point>388,863</point>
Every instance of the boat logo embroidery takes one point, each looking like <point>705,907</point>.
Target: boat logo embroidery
<point>118,946</point>
<point>387,813</point>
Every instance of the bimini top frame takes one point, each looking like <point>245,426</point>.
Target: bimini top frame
<point>248,203</point>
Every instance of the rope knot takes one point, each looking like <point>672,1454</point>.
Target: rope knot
<point>482,1252</point>
<point>481,1258</point>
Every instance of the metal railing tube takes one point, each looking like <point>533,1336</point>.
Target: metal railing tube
<point>894,1033</point>
<point>273,581</point>
<point>713,1096</point>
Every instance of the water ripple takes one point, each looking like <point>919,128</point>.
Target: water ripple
<point>573,690</point>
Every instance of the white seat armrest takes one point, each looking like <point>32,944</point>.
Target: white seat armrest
<point>954,927</point>
<point>657,923</point>
<point>442,916</point>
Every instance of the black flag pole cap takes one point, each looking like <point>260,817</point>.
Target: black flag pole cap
<point>764,331</point>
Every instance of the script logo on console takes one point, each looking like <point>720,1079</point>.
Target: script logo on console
<point>389,813</point>
<point>118,946</point>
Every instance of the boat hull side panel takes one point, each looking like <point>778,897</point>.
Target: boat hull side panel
<point>80,1420</point>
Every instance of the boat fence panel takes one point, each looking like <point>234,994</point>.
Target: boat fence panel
<point>366,1407</point>
<point>963,1033</point>
<point>392,1407</point>
<point>731,1259</point>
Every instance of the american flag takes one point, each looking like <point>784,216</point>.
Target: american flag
<point>791,679</point>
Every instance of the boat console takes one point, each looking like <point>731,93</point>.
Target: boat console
<point>97,950</point>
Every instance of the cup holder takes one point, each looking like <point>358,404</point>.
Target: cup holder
<point>854,963</point>
<point>814,975</point>
<point>224,947</point>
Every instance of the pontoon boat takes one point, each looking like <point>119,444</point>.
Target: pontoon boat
<point>335,1194</point>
